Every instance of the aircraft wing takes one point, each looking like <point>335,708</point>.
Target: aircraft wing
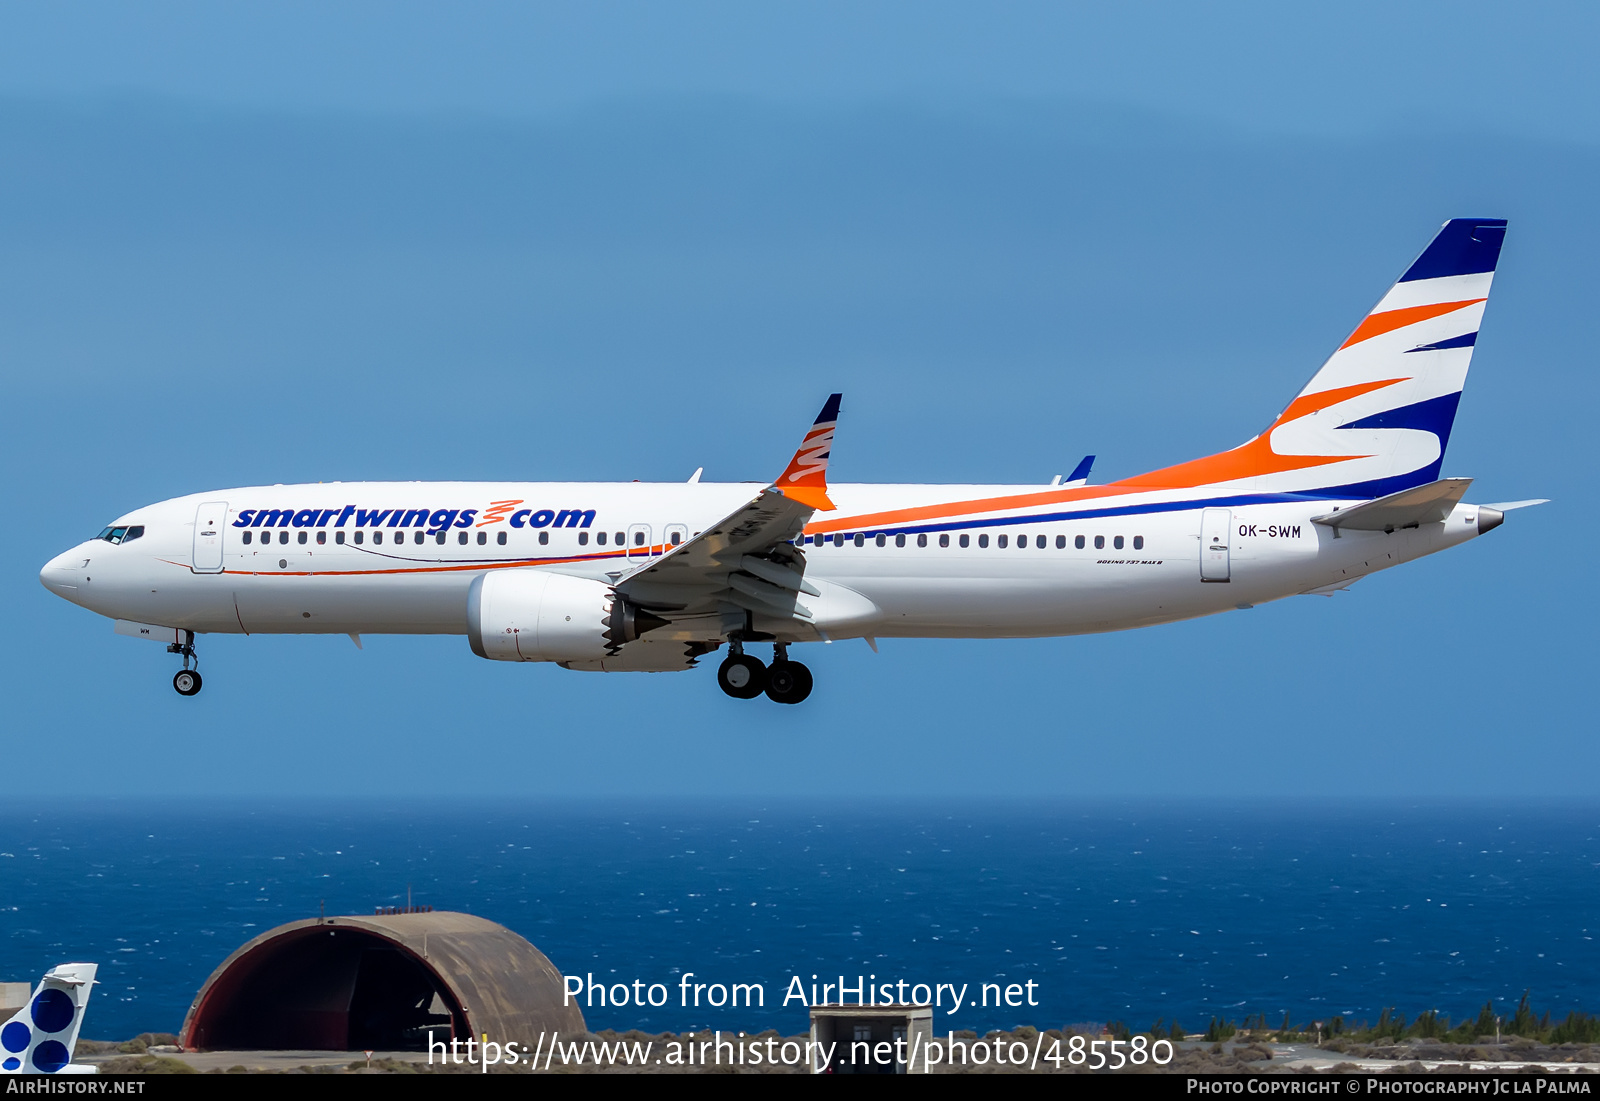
<point>1425,504</point>
<point>746,559</point>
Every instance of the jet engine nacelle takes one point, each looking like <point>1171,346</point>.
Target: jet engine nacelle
<point>535,615</point>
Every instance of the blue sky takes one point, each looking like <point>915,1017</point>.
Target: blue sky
<point>275,243</point>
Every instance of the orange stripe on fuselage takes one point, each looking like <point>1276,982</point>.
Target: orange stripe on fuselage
<point>962,508</point>
<point>1377,324</point>
<point>1248,461</point>
<point>1256,458</point>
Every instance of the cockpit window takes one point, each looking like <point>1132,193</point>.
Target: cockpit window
<point>122,534</point>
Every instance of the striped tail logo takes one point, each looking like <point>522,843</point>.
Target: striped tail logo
<point>806,478</point>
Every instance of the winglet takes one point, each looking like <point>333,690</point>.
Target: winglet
<point>806,479</point>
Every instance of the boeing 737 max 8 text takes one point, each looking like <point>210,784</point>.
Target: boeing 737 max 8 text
<point>651,577</point>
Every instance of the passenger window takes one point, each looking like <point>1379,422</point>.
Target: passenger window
<point>439,539</point>
<point>283,537</point>
<point>861,540</point>
<point>1138,542</point>
<point>1061,542</point>
<point>1039,542</point>
<point>377,538</point>
<point>338,537</point>
<point>322,537</point>
<point>1099,542</point>
<point>500,538</point>
<point>360,536</point>
<point>620,539</point>
<point>638,538</point>
<point>302,539</point>
<point>1078,542</point>
<point>247,538</point>
<point>899,540</point>
<point>583,538</point>
<point>1000,542</point>
<point>983,540</point>
<point>1117,542</point>
<point>462,539</point>
<point>966,540</point>
<point>944,539</point>
<point>544,538</point>
<point>922,540</point>
<point>881,540</point>
<point>417,538</point>
<point>838,538</point>
<point>600,538</point>
<point>483,537</point>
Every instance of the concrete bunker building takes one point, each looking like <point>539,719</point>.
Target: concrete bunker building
<point>379,983</point>
<point>872,1039</point>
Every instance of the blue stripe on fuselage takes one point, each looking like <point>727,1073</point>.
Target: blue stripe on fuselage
<point>1096,513</point>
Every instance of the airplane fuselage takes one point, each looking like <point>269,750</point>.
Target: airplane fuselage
<point>375,558</point>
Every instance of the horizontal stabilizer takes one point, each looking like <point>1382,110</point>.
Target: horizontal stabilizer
<point>1507,506</point>
<point>1424,504</point>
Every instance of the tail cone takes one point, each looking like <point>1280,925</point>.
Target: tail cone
<point>1489,519</point>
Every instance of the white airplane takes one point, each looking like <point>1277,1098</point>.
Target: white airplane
<point>651,576</point>
<point>40,1038</point>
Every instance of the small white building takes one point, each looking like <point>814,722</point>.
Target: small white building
<point>871,1039</point>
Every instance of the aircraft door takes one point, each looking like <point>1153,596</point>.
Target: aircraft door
<point>638,540</point>
<point>209,521</point>
<point>1216,526</point>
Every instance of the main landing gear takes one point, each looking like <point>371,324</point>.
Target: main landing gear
<point>187,680</point>
<point>743,677</point>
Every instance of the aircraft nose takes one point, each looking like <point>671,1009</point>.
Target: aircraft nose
<point>63,572</point>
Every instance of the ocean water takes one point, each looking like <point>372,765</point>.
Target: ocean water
<point>1115,911</point>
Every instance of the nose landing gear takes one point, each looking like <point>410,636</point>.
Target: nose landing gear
<point>186,680</point>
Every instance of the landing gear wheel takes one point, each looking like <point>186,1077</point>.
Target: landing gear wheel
<point>187,682</point>
<point>788,682</point>
<point>742,677</point>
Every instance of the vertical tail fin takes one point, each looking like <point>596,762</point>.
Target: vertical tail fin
<point>42,1035</point>
<point>1376,418</point>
